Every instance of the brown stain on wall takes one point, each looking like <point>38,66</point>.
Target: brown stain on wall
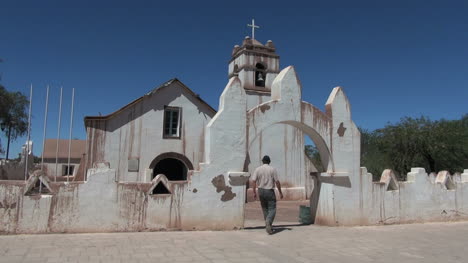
<point>264,108</point>
<point>12,205</point>
<point>184,143</point>
<point>201,151</point>
<point>220,185</point>
<point>138,152</point>
<point>341,130</point>
<point>177,198</point>
<point>96,142</point>
<point>7,206</point>
<point>131,137</point>
<point>64,208</point>
<point>140,129</point>
<point>133,203</point>
<point>79,176</point>
<point>119,156</point>
<point>320,121</point>
<point>141,187</point>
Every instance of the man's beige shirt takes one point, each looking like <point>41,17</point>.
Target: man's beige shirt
<point>265,176</point>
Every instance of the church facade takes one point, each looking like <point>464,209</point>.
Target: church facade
<point>160,133</point>
<point>163,132</point>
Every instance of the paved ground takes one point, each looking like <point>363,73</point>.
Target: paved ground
<point>286,211</point>
<point>433,242</point>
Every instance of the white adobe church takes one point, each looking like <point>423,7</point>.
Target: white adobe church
<point>163,132</point>
<point>168,160</point>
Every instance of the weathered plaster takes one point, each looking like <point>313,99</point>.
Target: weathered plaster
<point>136,132</point>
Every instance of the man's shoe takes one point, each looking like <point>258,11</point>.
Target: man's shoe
<point>268,229</point>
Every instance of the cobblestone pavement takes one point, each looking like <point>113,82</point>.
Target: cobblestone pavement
<point>431,242</point>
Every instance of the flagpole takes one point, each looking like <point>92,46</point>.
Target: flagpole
<point>58,135</point>
<point>29,133</point>
<point>71,127</point>
<point>45,125</point>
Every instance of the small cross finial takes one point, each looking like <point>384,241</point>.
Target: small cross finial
<point>253,26</point>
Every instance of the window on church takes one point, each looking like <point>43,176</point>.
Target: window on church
<point>172,122</point>
<point>260,75</point>
<point>68,170</point>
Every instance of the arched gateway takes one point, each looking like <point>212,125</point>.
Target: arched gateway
<point>334,133</point>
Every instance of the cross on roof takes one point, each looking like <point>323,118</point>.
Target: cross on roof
<point>253,26</point>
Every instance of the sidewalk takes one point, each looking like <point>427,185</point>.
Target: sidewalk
<point>432,242</point>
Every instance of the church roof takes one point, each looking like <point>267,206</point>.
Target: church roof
<point>165,84</point>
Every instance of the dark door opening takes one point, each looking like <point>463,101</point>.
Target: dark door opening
<point>173,169</point>
<point>160,189</point>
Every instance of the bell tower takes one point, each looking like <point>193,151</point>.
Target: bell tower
<point>255,64</point>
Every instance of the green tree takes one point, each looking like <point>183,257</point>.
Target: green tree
<point>416,142</point>
<point>446,145</point>
<point>371,156</point>
<point>13,114</point>
<point>314,155</point>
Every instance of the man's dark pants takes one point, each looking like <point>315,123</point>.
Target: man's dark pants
<point>268,202</point>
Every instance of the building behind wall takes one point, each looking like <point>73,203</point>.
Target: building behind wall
<point>56,162</point>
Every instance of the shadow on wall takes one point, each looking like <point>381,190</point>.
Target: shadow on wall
<point>318,179</point>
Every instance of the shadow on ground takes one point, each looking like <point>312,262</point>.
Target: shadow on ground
<point>277,228</point>
<point>287,216</point>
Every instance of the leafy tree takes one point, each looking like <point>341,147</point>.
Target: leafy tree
<point>371,156</point>
<point>13,114</point>
<point>416,142</point>
<point>446,145</point>
<point>314,155</point>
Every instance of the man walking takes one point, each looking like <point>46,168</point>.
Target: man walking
<point>266,177</point>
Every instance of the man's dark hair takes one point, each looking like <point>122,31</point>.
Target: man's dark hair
<point>266,159</point>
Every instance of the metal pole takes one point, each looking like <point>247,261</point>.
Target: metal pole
<point>44,134</point>
<point>29,134</point>
<point>45,125</point>
<point>71,127</point>
<point>58,135</point>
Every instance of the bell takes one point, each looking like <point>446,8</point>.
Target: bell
<point>260,77</point>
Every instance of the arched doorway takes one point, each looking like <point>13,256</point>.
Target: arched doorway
<point>306,168</point>
<point>173,165</point>
<point>311,123</point>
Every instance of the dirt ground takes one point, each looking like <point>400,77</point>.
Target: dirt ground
<point>286,212</point>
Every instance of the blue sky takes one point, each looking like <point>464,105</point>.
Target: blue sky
<point>393,58</point>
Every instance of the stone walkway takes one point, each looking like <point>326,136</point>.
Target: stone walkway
<point>431,242</point>
<point>434,242</point>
